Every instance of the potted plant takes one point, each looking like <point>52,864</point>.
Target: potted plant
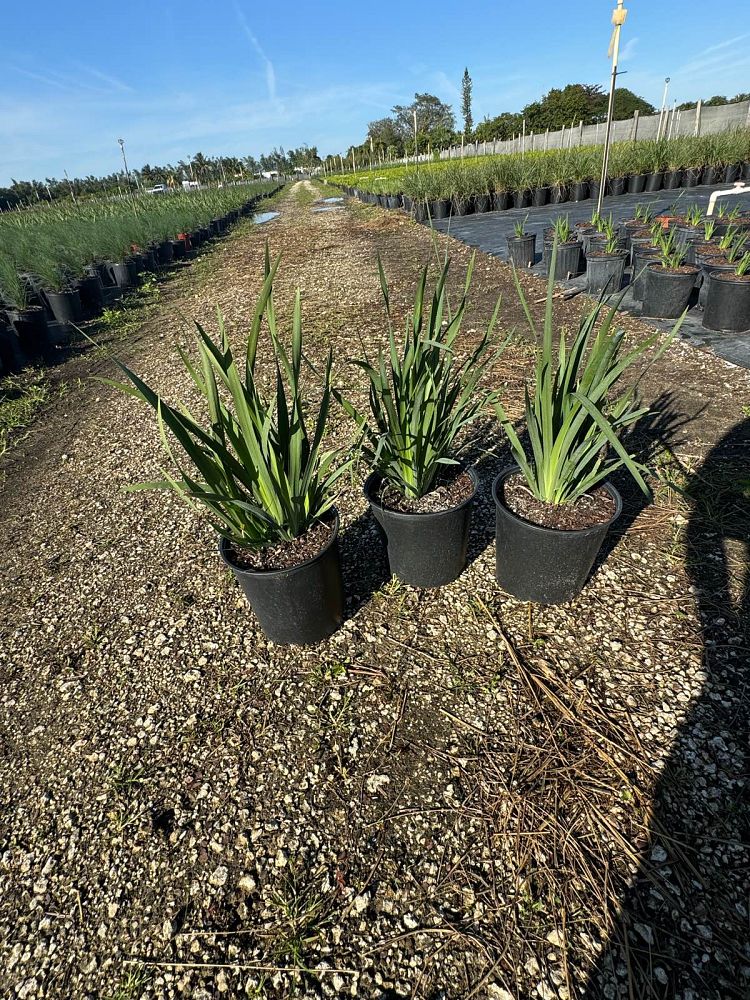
<point>421,399</point>
<point>522,245</point>
<point>260,474</point>
<point>669,281</point>
<point>556,504</point>
<point>605,264</point>
<point>568,249</point>
<point>728,299</point>
<point>28,322</point>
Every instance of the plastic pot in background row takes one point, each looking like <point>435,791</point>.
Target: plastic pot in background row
<point>568,263</point>
<point>636,183</point>
<point>617,185</point>
<point>522,250</point>
<point>672,179</point>
<point>92,294</point>
<point>655,181</point>
<point>424,550</point>
<point>728,303</point>
<point>558,193</point>
<point>692,177</point>
<point>482,203</point>
<point>539,197</point>
<point>521,199</point>
<point>65,306</point>
<point>32,337</point>
<point>605,272</point>
<point>667,291</point>
<point>579,190</point>
<point>544,565</point>
<point>300,605</point>
<point>707,268</point>
<point>501,201</point>
<point>440,209</point>
<point>165,252</point>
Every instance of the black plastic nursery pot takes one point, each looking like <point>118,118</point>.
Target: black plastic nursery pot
<point>579,191</point>
<point>440,209</point>
<point>707,268</point>
<point>462,206</point>
<point>667,292</point>
<point>605,272</point>
<point>501,201</point>
<point>92,295</point>
<point>521,199</point>
<point>178,249</point>
<point>732,172</point>
<point>692,177</point>
<point>122,273</point>
<point>522,250</point>
<point>569,260</point>
<point>482,203</point>
<point>636,183</point>
<point>728,303</point>
<point>424,550</point>
<point>165,252</point>
<point>558,193</point>
<point>654,181</point>
<point>714,174</point>
<point>394,201</point>
<point>420,211</point>
<point>66,306</point>
<point>31,333</point>
<point>544,565</point>
<point>300,605</point>
<point>408,202</point>
<point>641,259</point>
<point>540,197</point>
<point>672,179</point>
<point>11,356</point>
<point>618,185</point>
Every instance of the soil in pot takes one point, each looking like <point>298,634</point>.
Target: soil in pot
<point>298,595</point>
<point>427,539</point>
<point>522,250</point>
<point>668,290</point>
<point>544,553</point>
<point>728,303</point>
<point>605,272</point>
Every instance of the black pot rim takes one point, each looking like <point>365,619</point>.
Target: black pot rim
<point>729,275</point>
<point>223,543</point>
<point>578,532</point>
<point>672,273</point>
<point>617,255</point>
<point>375,478</point>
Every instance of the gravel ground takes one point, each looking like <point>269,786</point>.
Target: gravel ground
<point>457,795</point>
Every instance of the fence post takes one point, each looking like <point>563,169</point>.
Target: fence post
<point>635,125</point>
<point>698,107</point>
<point>580,133</point>
<point>546,140</point>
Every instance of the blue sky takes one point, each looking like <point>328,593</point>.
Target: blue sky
<point>238,77</point>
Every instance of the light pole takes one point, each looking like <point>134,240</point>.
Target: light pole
<point>618,19</point>
<point>124,160</point>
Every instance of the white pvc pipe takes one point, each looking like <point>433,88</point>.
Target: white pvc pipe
<point>739,187</point>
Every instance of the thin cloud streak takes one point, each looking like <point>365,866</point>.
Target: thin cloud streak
<point>270,71</point>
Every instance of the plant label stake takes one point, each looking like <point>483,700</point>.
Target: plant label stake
<point>618,19</point>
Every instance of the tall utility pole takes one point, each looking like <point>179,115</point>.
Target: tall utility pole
<point>124,160</point>
<point>618,19</point>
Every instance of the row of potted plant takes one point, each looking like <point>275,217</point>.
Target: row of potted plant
<point>62,265</point>
<point>496,183</point>
<point>258,466</point>
<point>669,255</point>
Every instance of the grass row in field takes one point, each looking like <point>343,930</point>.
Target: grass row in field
<point>554,168</point>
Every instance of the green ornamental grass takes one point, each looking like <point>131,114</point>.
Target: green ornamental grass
<point>573,421</point>
<point>253,464</point>
<point>422,396</point>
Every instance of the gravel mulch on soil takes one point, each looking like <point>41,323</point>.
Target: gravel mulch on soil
<point>455,796</point>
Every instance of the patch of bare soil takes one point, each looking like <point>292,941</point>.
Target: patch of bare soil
<point>457,795</point>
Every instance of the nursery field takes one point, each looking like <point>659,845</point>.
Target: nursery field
<point>459,794</point>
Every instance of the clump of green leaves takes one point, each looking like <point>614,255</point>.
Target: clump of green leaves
<point>563,232</point>
<point>574,424</point>
<point>422,396</point>
<point>256,468</point>
<point>519,228</point>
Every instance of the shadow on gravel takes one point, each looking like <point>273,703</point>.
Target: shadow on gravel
<point>682,931</point>
<point>364,562</point>
<point>655,434</point>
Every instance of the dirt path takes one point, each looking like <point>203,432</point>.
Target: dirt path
<point>448,798</point>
